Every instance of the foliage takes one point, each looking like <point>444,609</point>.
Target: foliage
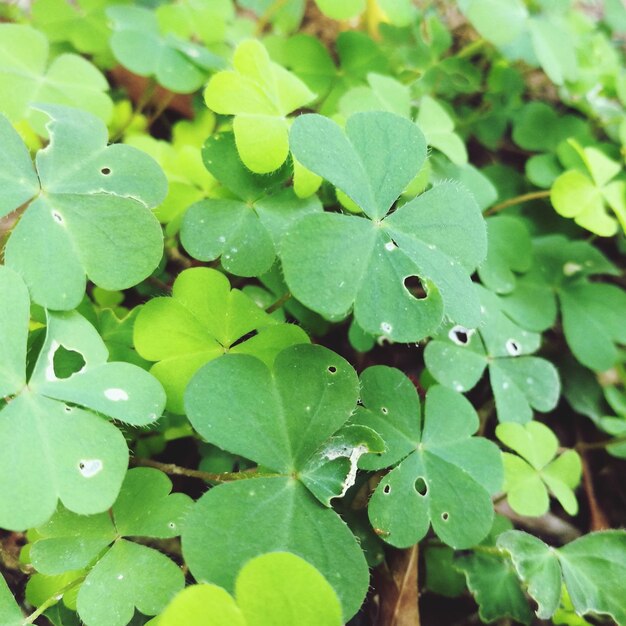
<point>352,272</point>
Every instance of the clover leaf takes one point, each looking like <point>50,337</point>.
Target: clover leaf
<point>202,320</point>
<point>592,313</point>
<point>335,262</point>
<point>529,477</point>
<point>122,575</point>
<point>90,210</point>
<point>55,447</point>
<point>26,78</point>
<point>275,588</point>
<point>10,613</point>
<point>593,568</point>
<point>244,231</point>
<point>279,417</point>
<point>583,194</point>
<point>138,44</point>
<point>260,94</point>
<point>444,477</point>
<point>458,357</point>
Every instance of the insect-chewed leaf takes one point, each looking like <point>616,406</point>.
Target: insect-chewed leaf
<point>58,451</point>
<point>92,217</point>
<point>201,321</point>
<point>26,78</point>
<point>335,262</point>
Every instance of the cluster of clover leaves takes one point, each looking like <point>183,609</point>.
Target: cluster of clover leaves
<point>326,218</point>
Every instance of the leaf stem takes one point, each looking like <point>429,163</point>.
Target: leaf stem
<point>264,19</point>
<point>525,197</point>
<point>52,600</point>
<point>177,470</point>
<point>276,305</point>
<point>598,445</point>
<point>471,49</point>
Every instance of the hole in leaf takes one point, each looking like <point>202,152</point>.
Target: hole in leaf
<point>512,347</point>
<point>245,338</point>
<point>66,362</point>
<point>445,516</point>
<point>105,171</point>
<point>384,410</point>
<point>420,486</point>
<point>461,335</point>
<point>332,369</point>
<point>387,489</point>
<point>414,286</point>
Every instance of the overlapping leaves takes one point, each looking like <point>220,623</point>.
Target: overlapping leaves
<point>121,574</point>
<point>89,213</point>
<point>444,478</point>
<point>334,262</point>
<point>285,418</point>
<point>202,320</point>
<point>55,447</point>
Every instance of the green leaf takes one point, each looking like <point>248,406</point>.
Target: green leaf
<point>592,567</point>
<point>92,217</point>
<point>554,49</point>
<point>438,129</point>
<point>260,94</point>
<point>425,487</point>
<point>138,44</point>
<point>27,78</point>
<point>244,232</point>
<point>498,22</point>
<point>201,321</point>
<point>10,613</point>
<point>383,93</point>
<point>340,9</point>
<point>526,482</point>
<point>334,262</point>
<point>237,521</point>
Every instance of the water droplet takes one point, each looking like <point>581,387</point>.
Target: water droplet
<point>89,467</point>
<point>115,394</point>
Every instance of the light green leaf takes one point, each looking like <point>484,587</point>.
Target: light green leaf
<point>138,44</point>
<point>424,488</point>
<point>26,78</point>
<point>340,9</point>
<point>260,94</point>
<point>92,218</point>
<point>201,321</point>
<point>237,521</point>
<point>10,613</point>
<point>498,22</point>
<point>553,46</point>
<point>383,94</point>
<point>438,129</point>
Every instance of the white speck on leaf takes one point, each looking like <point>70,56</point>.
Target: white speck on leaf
<point>90,467</point>
<point>386,327</point>
<point>58,217</point>
<point>513,348</point>
<point>571,268</point>
<point>390,246</point>
<point>120,576</point>
<point>115,394</point>
<point>353,455</point>
<point>50,375</point>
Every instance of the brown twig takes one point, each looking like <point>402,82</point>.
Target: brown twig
<point>177,470</point>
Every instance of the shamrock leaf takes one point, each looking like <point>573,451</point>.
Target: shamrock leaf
<point>584,194</point>
<point>202,320</point>
<point>247,230</point>
<point>592,313</point>
<point>260,94</point>
<point>335,262</point>
<point>54,450</point>
<point>10,613</point>
<point>138,44</point>
<point>122,574</point>
<point>91,217</point>
<point>509,252</point>
<point>528,479</point>
<point>445,476</point>
<point>458,357</point>
<point>438,129</point>
<point>592,567</point>
<point>275,588</point>
<point>493,581</point>
<point>278,417</point>
<point>25,78</point>
<point>383,93</point>
<point>340,9</point>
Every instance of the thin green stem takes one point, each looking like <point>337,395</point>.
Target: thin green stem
<point>471,49</point>
<point>52,600</point>
<point>177,470</point>
<point>264,19</point>
<point>525,197</point>
<point>598,445</point>
<point>276,305</point>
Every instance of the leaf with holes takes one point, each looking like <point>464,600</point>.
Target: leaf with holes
<point>530,476</point>
<point>122,574</point>
<point>447,476</point>
<point>138,44</point>
<point>55,446</point>
<point>275,588</point>
<point>458,357</point>
<point>91,217</point>
<point>260,94</point>
<point>592,567</point>
<point>334,262</point>
<point>202,320</point>
<point>592,313</point>
<point>26,77</point>
<point>245,231</point>
<point>279,417</point>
